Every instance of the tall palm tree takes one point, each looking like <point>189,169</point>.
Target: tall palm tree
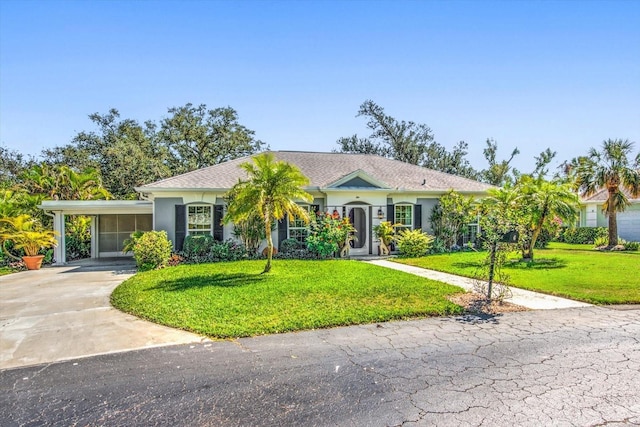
<point>544,201</point>
<point>271,190</point>
<point>610,169</point>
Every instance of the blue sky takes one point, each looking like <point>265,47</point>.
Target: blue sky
<point>531,74</point>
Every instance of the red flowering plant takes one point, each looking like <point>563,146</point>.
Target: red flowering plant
<point>328,234</point>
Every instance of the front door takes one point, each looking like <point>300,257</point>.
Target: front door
<point>359,218</point>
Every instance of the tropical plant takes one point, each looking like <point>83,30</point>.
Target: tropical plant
<point>413,243</point>
<point>64,183</point>
<point>250,230</point>
<point>77,237</point>
<point>271,190</point>
<point>26,233</point>
<point>328,235</point>
<point>448,217</point>
<point>610,169</point>
<point>386,233</point>
<point>129,244</point>
<point>544,203</point>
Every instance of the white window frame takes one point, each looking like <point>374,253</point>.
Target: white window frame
<point>299,225</point>
<point>200,231</point>
<point>395,216</point>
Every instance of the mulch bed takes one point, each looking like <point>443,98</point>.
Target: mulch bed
<point>475,303</point>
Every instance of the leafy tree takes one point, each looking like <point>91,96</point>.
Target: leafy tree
<point>499,172</point>
<point>499,215</point>
<point>197,137</point>
<point>612,170</point>
<point>409,142</point>
<point>271,190</point>
<point>448,217</point>
<point>455,162</point>
<point>125,153</point>
<point>12,164</point>
<point>400,140</point>
<point>542,163</point>
<point>540,203</point>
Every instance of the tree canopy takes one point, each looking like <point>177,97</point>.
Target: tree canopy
<point>128,154</point>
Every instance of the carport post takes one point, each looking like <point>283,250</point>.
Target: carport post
<point>59,252</point>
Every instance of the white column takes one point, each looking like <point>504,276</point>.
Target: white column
<point>59,252</point>
<point>94,236</point>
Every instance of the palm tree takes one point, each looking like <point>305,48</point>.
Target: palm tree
<point>544,201</point>
<point>270,190</point>
<point>610,169</point>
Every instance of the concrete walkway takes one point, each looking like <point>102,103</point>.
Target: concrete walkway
<point>61,313</point>
<point>532,300</point>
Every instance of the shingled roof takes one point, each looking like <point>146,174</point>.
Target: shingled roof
<point>325,169</point>
<point>602,195</point>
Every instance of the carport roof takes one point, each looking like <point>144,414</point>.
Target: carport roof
<point>96,207</point>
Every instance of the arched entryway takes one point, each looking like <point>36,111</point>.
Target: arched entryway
<point>361,221</point>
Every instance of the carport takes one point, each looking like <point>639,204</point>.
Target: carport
<point>112,221</point>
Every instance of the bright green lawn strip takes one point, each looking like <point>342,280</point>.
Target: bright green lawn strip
<point>5,270</point>
<point>234,300</point>
<point>572,271</point>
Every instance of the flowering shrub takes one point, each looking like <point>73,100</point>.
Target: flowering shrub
<point>328,234</point>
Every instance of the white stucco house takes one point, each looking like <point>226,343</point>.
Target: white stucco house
<point>366,188</point>
<point>592,215</point>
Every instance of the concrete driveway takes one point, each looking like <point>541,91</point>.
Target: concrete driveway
<point>61,313</point>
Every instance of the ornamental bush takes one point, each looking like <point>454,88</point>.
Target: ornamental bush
<point>631,246</point>
<point>227,251</point>
<point>152,250</point>
<point>582,235</point>
<point>413,243</point>
<point>196,248</point>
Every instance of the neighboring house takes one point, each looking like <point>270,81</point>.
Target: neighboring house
<point>591,215</point>
<point>366,188</point>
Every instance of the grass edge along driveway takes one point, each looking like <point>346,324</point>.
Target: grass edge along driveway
<point>232,299</point>
<point>573,271</point>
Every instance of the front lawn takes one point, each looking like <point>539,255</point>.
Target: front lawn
<point>233,299</point>
<point>573,271</point>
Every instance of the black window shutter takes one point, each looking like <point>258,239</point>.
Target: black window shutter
<point>390,214</point>
<point>218,233</point>
<point>282,230</point>
<point>417,217</point>
<point>181,226</point>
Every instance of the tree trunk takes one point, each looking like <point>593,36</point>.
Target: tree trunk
<point>613,221</point>
<point>267,225</point>
<point>492,267</point>
<point>534,238</point>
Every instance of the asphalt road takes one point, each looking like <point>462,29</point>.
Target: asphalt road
<point>562,367</point>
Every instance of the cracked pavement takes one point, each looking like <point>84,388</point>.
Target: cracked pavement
<point>568,367</point>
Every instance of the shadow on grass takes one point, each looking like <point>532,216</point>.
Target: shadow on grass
<point>537,264</point>
<point>212,280</point>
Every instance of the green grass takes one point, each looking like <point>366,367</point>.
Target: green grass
<point>572,271</point>
<point>5,270</point>
<point>233,299</point>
